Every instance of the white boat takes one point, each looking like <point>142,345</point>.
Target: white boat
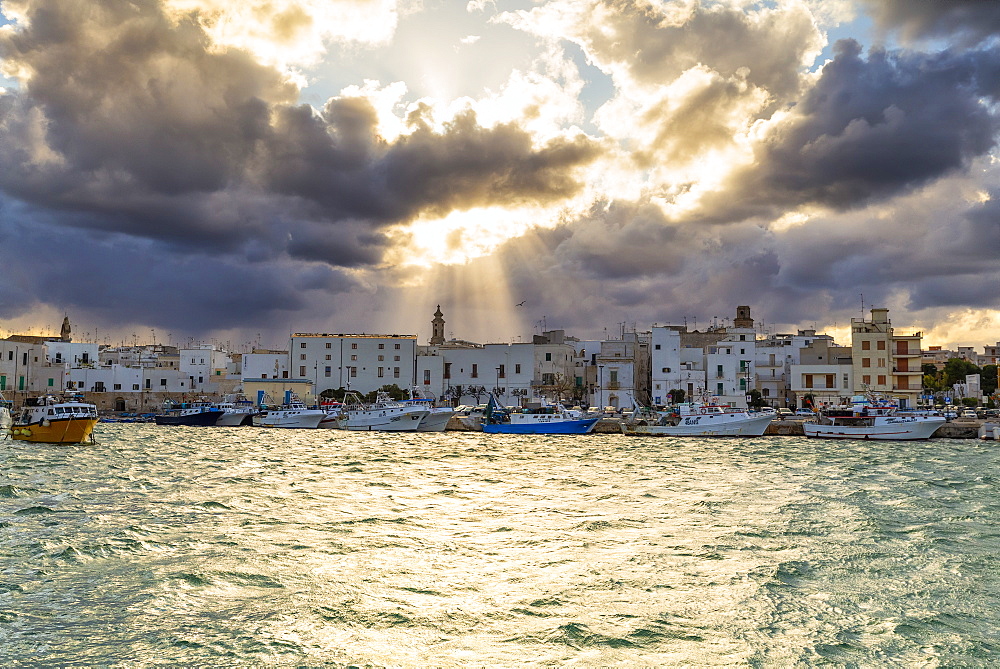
<point>237,410</point>
<point>292,414</point>
<point>438,417</point>
<point>871,417</point>
<point>384,414</point>
<point>52,420</point>
<point>334,418</point>
<point>698,419</point>
<point>990,431</point>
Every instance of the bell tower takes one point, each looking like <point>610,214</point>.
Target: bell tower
<point>65,333</point>
<point>743,319</point>
<point>437,328</point>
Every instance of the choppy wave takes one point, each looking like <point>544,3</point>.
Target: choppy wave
<point>247,546</point>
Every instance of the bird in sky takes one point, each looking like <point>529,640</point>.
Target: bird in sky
<point>521,303</point>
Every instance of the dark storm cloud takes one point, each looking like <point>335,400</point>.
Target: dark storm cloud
<point>130,121</point>
<point>339,162</point>
<point>118,280</point>
<point>870,129</point>
<point>961,21</point>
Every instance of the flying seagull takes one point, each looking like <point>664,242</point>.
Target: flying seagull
<point>521,303</point>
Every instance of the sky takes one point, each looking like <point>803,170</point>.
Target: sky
<point>237,170</point>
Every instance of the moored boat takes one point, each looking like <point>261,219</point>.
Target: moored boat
<point>201,413</point>
<point>237,410</point>
<point>547,419</point>
<point>697,419</point>
<point>437,418</point>
<point>871,417</point>
<point>384,415</point>
<point>292,414</point>
<point>52,420</point>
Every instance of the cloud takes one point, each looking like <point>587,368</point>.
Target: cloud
<point>965,22</point>
<point>869,129</point>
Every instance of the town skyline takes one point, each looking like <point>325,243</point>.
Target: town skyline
<point>237,170</point>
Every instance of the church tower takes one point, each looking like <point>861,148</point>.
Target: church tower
<point>743,319</point>
<point>65,333</point>
<point>437,328</point>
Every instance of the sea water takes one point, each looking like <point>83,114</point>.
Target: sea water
<point>244,546</point>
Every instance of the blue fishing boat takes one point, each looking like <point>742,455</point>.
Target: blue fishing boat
<point>549,419</point>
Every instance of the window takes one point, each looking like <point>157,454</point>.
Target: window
<point>720,390</point>
<point>302,345</point>
<point>354,345</point>
<point>517,369</point>
<point>395,358</point>
<point>397,347</point>
<point>395,372</point>
<point>866,345</point>
<point>381,372</point>
<point>881,345</point>
<point>447,370</point>
<point>328,357</point>
<point>657,347</point>
<point>866,362</point>
<point>718,372</point>
<point>381,358</point>
<point>51,382</point>
<point>881,362</point>
<point>135,386</point>
<point>163,383</point>
<point>148,383</point>
<point>845,381</point>
<point>614,377</point>
<point>381,346</point>
<point>881,380</point>
<point>427,376</point>
<point>501,372</point>
<point>807,380</point>
<point>302,370</point>
<point>475,371</point>
<point>666,370</point>
<point>548,379</point>
<point>743,384</point>
<point>548,357</point>
<point>831,380</point>
<point>302,356</point>
<point>867,380</point>
<point>354,357</point>
<point>354,372</point>
<point>327,371</point>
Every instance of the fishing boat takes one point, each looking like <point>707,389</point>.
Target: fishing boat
<point>546,419</point>
<point>335,416</point>
<point>291,414</point>
<point>199,413</point>
<point>237,409</point>
<point>871,417</point>
<point>697,419</point>
<point>52,420</point>
<point>437,418</point>
<point>384,414</point>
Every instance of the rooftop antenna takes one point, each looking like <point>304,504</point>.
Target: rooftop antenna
<point>862,306</point>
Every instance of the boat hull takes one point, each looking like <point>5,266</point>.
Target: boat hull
<point>436,421</point>
<point>374,421</point>
<point>704,426</point>
<point>200,419</point>
<point>901,429</point>
<point>235,419</point>
<point>60,431</point>
<point>300,420</point>
<point>583,426</point>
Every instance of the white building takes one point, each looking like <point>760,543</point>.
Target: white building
<point>358,362</point>
<point>623,371</point>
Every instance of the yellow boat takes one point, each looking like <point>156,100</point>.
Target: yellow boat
<point>51,420</point>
